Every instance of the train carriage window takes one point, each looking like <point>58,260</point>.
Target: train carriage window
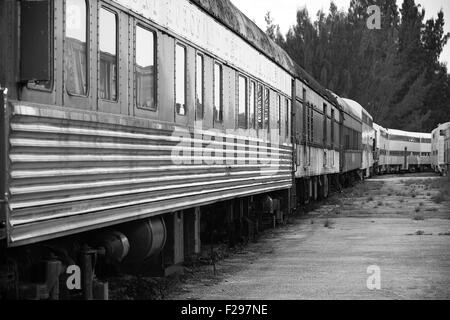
<point>252,105</point>
<point>145,69</point>
<point>325,116</point>
<point>76,56</point>
<point>267,109</point>
<point>279,114</point>
<point>242,100</point>
<point>218,87</point>
<point>259,103</point>
<point>36,49</point>
<point>108,55</point>
<point>180,79</point>
<point>332,125</point>
<point>288,118</point>
<point>199,86</point>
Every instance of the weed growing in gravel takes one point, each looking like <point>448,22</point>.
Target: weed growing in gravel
<point>328,224</point>
<point>439,198</point>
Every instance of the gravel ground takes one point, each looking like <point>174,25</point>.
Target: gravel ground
<point>400,224</point>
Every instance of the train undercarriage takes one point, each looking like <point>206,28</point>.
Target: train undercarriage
<point>78,267</point>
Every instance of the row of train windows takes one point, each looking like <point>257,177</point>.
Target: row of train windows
<point>408,153</point>
<point>409,139</point>
<point>254,107</point>
<point>309,119</point>
<point>253,101</point>
<point>76,62</point>
<point>352,140</point>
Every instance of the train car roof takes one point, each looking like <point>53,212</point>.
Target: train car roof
<point>378,127</point>
<point>345,106</point>
<point>353,108</point>
<point>359,109</point>
<point>442,126</point>
<point>409,134</point>
<point>227,14</point>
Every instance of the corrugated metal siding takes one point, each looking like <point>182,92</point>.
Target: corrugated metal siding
<point>73,171</point>
<point>352,160</point>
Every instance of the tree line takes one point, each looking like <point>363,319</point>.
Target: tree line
<point>394,72</point>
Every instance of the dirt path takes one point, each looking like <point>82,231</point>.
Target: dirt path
<point>400,224</point>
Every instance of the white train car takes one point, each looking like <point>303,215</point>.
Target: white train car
<point>439,161</point>
<point>408,151</point>
<point>368,137</point>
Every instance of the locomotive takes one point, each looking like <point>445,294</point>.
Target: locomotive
<point>135,132</point>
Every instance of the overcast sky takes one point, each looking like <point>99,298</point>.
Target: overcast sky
<point>284,12</point>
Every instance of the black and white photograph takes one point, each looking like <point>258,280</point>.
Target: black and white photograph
<point>235,152</point>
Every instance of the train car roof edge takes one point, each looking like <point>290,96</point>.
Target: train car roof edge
<point>229,15</point>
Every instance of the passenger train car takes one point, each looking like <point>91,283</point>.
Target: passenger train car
<point>400,151</point>
<point>367,138</point>
<point>138,130</point>
<point>440,148</point>
<point>134,132</point>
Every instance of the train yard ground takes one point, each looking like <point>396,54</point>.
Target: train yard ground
<point>397,223</point>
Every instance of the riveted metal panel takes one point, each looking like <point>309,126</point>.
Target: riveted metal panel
<point>73,171</point>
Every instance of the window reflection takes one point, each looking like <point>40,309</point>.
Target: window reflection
<point>108,55</point>
<point>266,109</point>
<point>260,106</point>
<point>218,101</point>
<point>76,47</point>
<point>242,116</point>
<point>180,77</point>
<point>252,105</point>
<point>199,87</point>
<point>145,68</point>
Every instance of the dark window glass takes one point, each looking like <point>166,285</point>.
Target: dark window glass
<point>325,116</point>
<point>76,47</point>
<point>180,79</point>
<point>332,125</point>
<point>252,104</point>
<point>218,101</point>
<point>145,68</point>
<point>108,55</point>
<point>36,49</point>
<point>199,87</point>
<point>242,115</point>
<point>267,109</point>
<point>288,118</point>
